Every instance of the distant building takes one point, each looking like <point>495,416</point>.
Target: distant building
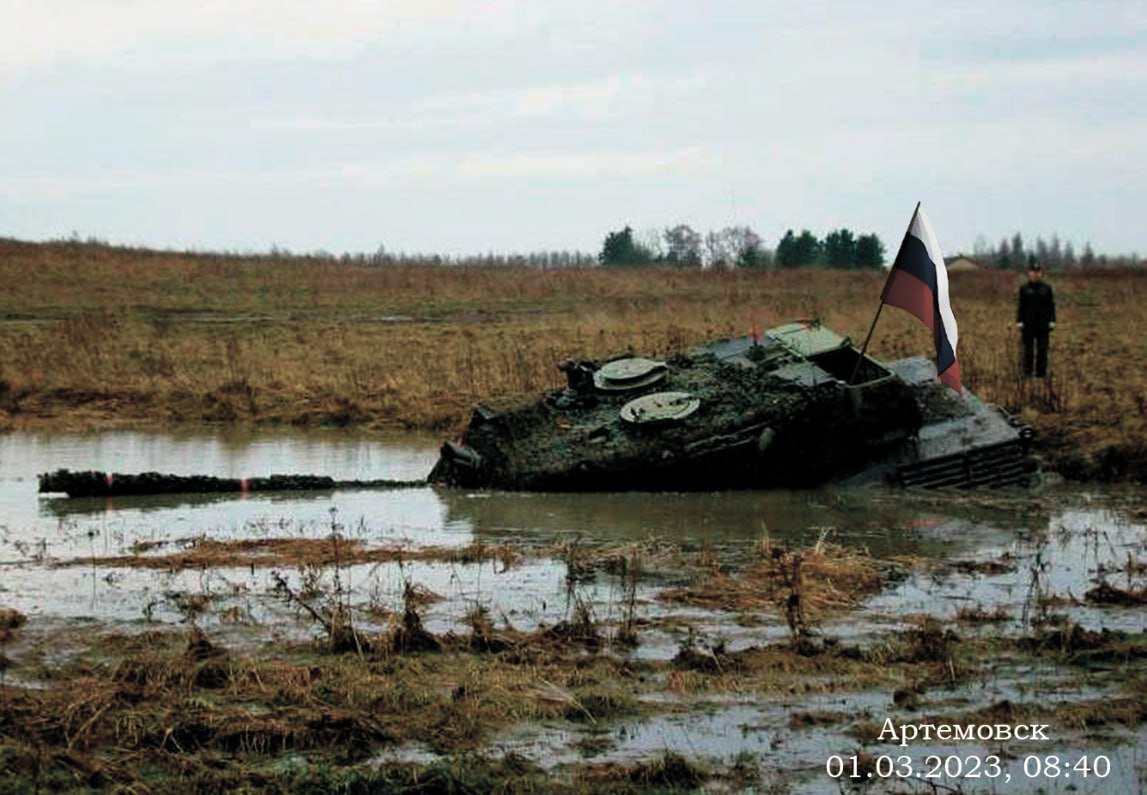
<point>961,263</point>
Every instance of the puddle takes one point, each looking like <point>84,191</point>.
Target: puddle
<point>1011,557</point>
<point>1057,564</point>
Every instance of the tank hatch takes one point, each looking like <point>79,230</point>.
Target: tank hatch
<point>660,407</point>
<point>808,339</point>
<point>622,375</point>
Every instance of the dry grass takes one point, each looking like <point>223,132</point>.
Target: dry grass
<point>170,709</point>
<point>822,579</point>
<point>163,707</point>
<point>92,336</point>
<point>208,553</point>
<point>183,703</point>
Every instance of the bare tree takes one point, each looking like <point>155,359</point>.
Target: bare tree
<point>683,246</point>
<point>718,253</point>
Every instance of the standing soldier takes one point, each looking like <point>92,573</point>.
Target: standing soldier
<point>1035,318</point>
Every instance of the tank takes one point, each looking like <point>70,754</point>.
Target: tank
<point>799,406</point>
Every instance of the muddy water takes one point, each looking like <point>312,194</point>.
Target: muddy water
<point>38,533</point>
<point>991,552</point>
<point>1054,542</point>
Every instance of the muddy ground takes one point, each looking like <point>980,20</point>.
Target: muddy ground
<point>535,663</point>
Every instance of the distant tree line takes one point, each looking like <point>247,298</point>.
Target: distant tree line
<point>1014,254</point>
<point>533,259</point>
<point>839,249</point>
<point>681,246</point>
<point>740,247</point>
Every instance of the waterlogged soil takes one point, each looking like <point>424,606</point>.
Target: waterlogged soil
<point>425,640</point>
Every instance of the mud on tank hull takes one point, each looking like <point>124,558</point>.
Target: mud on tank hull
<point>799,407</point>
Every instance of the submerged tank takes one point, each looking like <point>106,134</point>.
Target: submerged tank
<point>799,406</point>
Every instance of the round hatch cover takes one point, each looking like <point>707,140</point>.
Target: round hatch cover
<point>660,407</point>
<point>623,374</point>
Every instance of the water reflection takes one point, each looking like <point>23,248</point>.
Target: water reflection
<point>1060,537</point>
<point>882,521</point>
<point>225,453</point>
<point>56,527</point>
<point>1030,575</point>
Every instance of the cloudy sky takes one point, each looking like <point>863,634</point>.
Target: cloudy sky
<point>495,125</point>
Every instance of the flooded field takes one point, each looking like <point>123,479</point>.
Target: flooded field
<point>428,640</point>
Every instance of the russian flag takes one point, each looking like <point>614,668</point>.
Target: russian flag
<point>918,283</point>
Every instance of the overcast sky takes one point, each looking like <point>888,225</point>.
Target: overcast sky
<point>494,125</point>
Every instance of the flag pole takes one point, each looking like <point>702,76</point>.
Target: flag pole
<point>864,348</point>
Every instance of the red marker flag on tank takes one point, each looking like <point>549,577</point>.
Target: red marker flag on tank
<point>918,283</point>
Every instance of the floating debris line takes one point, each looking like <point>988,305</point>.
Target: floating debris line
<point>91,483</point>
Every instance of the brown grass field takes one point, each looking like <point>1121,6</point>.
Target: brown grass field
<point>94,336</point>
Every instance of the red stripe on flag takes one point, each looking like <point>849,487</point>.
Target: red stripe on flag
<point>907,292</point>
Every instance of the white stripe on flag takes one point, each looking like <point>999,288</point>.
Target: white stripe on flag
<point>922,229</point>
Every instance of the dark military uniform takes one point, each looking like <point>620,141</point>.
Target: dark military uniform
<point>1036,314</point>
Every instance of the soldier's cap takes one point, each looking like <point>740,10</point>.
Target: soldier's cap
<point>1034,266</point>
